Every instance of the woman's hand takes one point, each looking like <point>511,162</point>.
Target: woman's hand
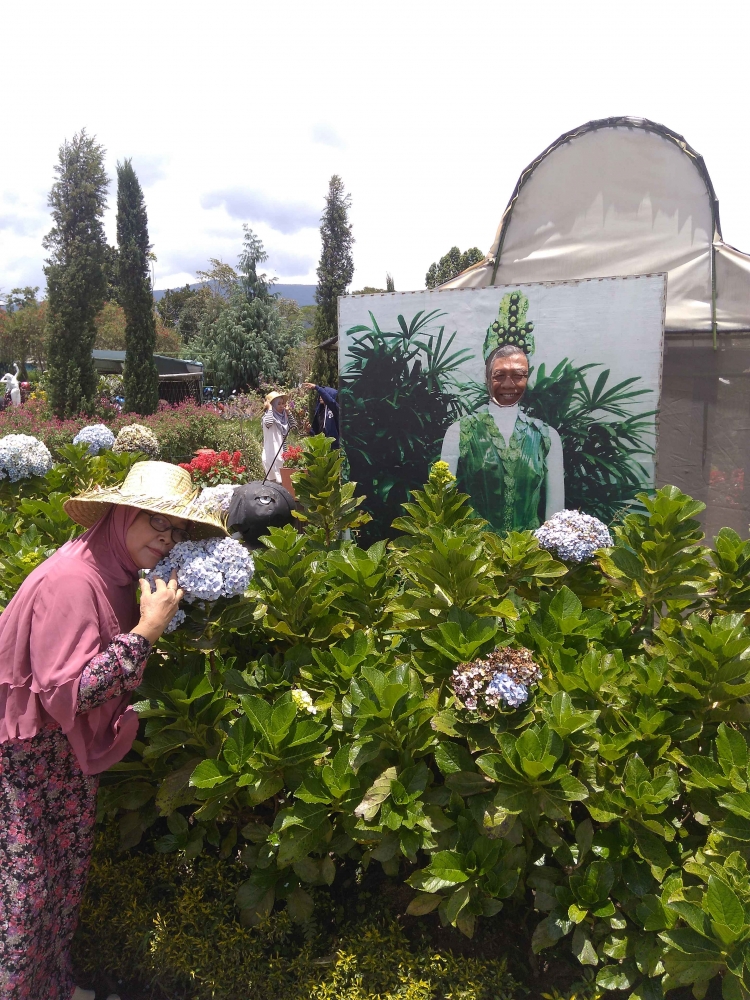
<point>308,385</point>
<point>158,607</point>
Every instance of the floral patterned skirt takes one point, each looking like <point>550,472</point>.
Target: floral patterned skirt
<point>47,812</point>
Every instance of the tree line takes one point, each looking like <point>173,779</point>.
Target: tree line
<point>234,322</point>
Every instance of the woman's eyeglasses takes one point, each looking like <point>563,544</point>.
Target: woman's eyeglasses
<point>516,377</point>
<point>162,524</point>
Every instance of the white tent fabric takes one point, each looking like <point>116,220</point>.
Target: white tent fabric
<point>622,196</point>
<point>627,196</point>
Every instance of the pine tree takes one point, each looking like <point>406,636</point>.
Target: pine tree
<point>76,281</point>
<point>335,272</point>
<point>140,377</point>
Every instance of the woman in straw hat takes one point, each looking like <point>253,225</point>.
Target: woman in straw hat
<point>276,426</point>
<point>73,645</point>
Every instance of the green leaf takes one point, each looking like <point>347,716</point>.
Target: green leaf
<point>210,773</point>
<point>451,757</point>
<point>423,902</point>
<point>724,906</point>
<point>376,795</point>
<point>616,977</point>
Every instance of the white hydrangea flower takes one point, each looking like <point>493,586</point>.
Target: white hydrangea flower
<point>97,436</point>
<point>303,700</point>
<point>136,437</point>
<point>214,499</point>
<point>207,570</point>
<point>573,536</point>
<point>22,455</point>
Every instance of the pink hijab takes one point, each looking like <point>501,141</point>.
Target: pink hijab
<point>65,612</point>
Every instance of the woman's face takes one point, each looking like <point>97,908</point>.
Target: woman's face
<point>508,378</point>
<point>146,544</point>
<point>279,404</point>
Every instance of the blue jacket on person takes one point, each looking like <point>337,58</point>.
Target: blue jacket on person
<point>326,417</point>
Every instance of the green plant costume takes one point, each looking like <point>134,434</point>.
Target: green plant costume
<point>505,481</point>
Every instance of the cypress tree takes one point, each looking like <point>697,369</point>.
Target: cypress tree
<point>76,281</point>
<point>140,377</point>
<point>335,272</point>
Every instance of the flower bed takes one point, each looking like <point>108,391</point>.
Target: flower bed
<point>180,430</point>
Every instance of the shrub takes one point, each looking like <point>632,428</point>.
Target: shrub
<point>609,807</point>
<point>173,926</point>
<point>212,468</point>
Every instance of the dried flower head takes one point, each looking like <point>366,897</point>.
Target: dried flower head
<point>573,536</point>
<point>502,678</point>
<point>136,437</point>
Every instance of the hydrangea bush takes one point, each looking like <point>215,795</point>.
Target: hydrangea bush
<point>606,811</point>
<point>22,456</point>
<point>136,437</point>
<point>98,437</point>
<point>573,536</point>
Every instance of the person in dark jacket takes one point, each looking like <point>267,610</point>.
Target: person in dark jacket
<point>326,417</point>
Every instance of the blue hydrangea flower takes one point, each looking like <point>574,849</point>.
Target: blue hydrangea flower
<point>502,679</point>
<point>504,688</point>
<point>22,456</point>
<point>207,570</point>
<point>573,536</point>
<point>97,436</point>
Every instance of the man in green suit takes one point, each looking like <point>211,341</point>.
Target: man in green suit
<point>509,463</point>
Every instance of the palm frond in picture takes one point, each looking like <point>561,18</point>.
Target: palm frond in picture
<point>398,396</point>
<point>604,441</point>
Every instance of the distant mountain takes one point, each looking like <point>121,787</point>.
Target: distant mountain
<point>303,295</point>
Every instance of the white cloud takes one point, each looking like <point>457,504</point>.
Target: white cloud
<point>441,111</point>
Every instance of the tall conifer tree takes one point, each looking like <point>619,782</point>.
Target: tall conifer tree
<point>76,281</point>
<point>140,376</point>
<point>335,272</point>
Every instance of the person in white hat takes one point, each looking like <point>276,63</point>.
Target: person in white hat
<point>277,423</point>
<point>73,646</point>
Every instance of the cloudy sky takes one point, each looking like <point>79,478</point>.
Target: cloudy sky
<point>239,111</point>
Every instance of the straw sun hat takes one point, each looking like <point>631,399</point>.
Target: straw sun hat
<point>154,486</point>
<point>276,395</point>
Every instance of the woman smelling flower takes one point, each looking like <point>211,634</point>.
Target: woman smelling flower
<point>73,645</point>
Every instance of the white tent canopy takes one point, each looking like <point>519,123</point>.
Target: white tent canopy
<point>628,196</point>
<point>622,196</point>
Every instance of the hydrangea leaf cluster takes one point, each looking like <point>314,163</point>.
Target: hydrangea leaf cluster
<point>98,437</point>
<point>501,679</point>
<point>22,456</point>
<point>207,570</point>
<point>136,437</point>
<point>574,536</point>
<point>214,499</point>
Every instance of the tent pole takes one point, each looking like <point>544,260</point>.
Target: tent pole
<point>713,295</point>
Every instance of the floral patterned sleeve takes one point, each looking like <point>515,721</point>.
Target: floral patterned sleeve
<point>116,669</point>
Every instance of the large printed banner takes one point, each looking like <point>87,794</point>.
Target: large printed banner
<point>538,396</point>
